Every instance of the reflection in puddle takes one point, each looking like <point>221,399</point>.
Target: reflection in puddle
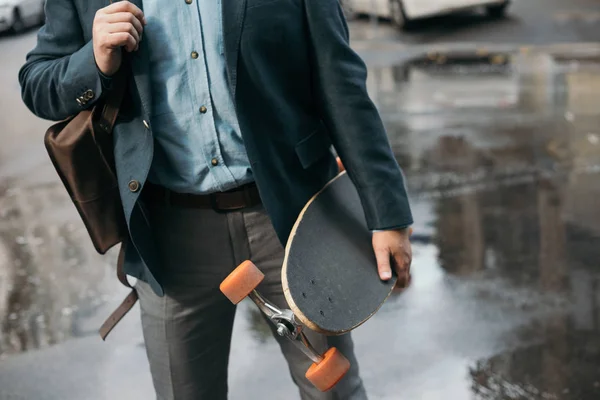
<point>564,365</point>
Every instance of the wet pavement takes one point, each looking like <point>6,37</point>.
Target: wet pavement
<point>536,22</point>
<point>502,157</point>
<point>501,149</point>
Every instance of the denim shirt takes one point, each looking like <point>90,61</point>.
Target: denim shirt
<point>199,147</point>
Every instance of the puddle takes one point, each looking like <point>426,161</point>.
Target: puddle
<point>504,176</point>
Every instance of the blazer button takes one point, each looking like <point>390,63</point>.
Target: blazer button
<point>146,124</point>
<point>214,162</point>
<point>134,186</point>
<point>88,94</point>
<point>203,109</point>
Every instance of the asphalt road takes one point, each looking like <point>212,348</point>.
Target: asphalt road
<point>526,22</point>
<point>502,161</point>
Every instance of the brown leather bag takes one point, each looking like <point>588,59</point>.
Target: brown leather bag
<point>81,149</point>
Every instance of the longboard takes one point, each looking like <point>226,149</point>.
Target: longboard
<point>329,278</point>
<point>329,273</point>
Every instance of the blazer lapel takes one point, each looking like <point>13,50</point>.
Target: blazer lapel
<point>140,64</point>
<point>233,12</point>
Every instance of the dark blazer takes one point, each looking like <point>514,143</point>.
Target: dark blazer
<point>299,89</point>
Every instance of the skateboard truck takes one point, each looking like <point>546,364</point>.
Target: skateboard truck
<point>286,324</point>
<point>328,368</point>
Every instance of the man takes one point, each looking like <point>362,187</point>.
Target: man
<point>224,135</point>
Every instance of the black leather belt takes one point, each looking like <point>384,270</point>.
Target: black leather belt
<point>236,199</point>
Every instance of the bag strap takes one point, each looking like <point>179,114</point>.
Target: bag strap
<point>113,101</point>
<point>108,117</point>
<point>126,305</point>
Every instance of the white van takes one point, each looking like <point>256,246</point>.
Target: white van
<point>402,12</point>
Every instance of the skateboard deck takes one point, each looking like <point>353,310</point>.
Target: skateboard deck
<point>329,273</point>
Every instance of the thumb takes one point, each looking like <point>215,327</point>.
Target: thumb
<point>383,264</point>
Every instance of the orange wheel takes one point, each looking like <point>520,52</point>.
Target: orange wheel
<point>243,280</point>
<point>326,374</point>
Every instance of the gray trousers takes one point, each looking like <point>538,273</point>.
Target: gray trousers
<point>187,332</point>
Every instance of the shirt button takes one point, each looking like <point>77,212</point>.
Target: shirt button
<point>134,186</point>
<point>188,1</point>
<point>146,124</point>
<point>194,54</point>
<point>214,162</point>
<point>203,110</point>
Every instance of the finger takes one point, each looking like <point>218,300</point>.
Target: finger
<point>383,264</point>
<point>126,6</point>
<point>122,39</point>
<point>127,18</point>
<point>401,270</point>
<point>404,282</point>
<point>400,263</point>
<point>408,255</point>
<point>401,282</point>
<point>125,27</point>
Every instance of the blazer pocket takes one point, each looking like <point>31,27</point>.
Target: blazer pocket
<point>313,147</point>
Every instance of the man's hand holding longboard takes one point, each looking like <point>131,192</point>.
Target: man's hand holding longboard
<point>392,250</point>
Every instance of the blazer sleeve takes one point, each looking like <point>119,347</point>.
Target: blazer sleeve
<point>61,67</point>
<point>354,124</point>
